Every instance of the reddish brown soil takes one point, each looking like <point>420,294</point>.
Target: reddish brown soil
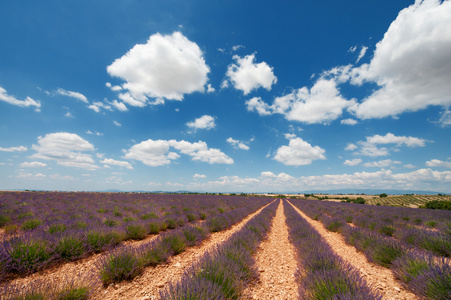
<point>276,263</point>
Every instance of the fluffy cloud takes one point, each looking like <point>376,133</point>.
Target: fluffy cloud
<point>268,174</point>
<point>353,162</point>
<point>114,88</point>
<point>258,105</point>
<point>205,122</point>
<point>14,149</point>
<point>119,105</point>
<point>381,164</point>
<point>113,162</point>
<point>31,175</point>
<point>390,138</point>
<point>234,182</point>
<point>438,163</point>
<point>32,164</point>
<point>321,104</point>
<point>75,95</point>
<point>383,179</point>
<point>351,147</point>
<point>199,176</point>
<point>66,149</point>
<point>422,177</point>
<point>411,64</point>
<point>166,67</point>
<point>348,122</point>
<point>157,152</point>
<point>237,144</point>
<point>298,153</point>
<point>22,103</point>
<point>370,146</point>
<point>246,75</point>
<point>210,88</point>
<point>96,106</point>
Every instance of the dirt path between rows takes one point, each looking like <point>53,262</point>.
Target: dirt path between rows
<point>379,277</point>
<point>153,279</point>
<point>275,260</point>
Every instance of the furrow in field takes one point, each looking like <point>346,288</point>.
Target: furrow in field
<point>377,276</point>
<point>275,260</point>
<point>148,284</point>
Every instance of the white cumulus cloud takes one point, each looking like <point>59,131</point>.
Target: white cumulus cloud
<point>258,105</point>
<point>119,105</point>
<point>411,64</point>
<point>382,179</point>
<point>352,162</point>
<point>114,88</point>
<point>32,164</point>
<point>321,104</point>
<point>298,153</point>
<point>371,146</point>
<point>381,163</point>
<point>157,152</point>
<point>237,144</point>
<point>438,163</point>
<point>205,122</point>
<point>67,149</point>
<point>14,149</point>
<point>113,162</point>
<point>246,75</point>
<point>349,122</point>
<point>166,67</point>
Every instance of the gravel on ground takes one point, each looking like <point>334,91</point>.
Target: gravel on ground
<point>276,262</point>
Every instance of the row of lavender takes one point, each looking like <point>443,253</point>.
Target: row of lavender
<point>421,228</point>
<point>224,272</point>
<point>322,274</point>
<point>70,225</point>
<point>126,262</point>
<point>423,273</point>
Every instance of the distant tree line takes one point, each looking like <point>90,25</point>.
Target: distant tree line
<point>436,204</point>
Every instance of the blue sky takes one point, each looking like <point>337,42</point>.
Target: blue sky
<point>219,96</point>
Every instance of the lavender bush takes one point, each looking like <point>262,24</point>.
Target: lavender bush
<point>424,275</point>
<point>47,227</point>
<point>412,251</point>
<point>436,242</point>
<point>73,287</point>
<point>226,270</point>
<point>322,274</point>
<point>121,264</point>
<point>412,226</point>
<point>127,262</point>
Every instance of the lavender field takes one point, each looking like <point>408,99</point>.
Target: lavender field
<point>127,234</point>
